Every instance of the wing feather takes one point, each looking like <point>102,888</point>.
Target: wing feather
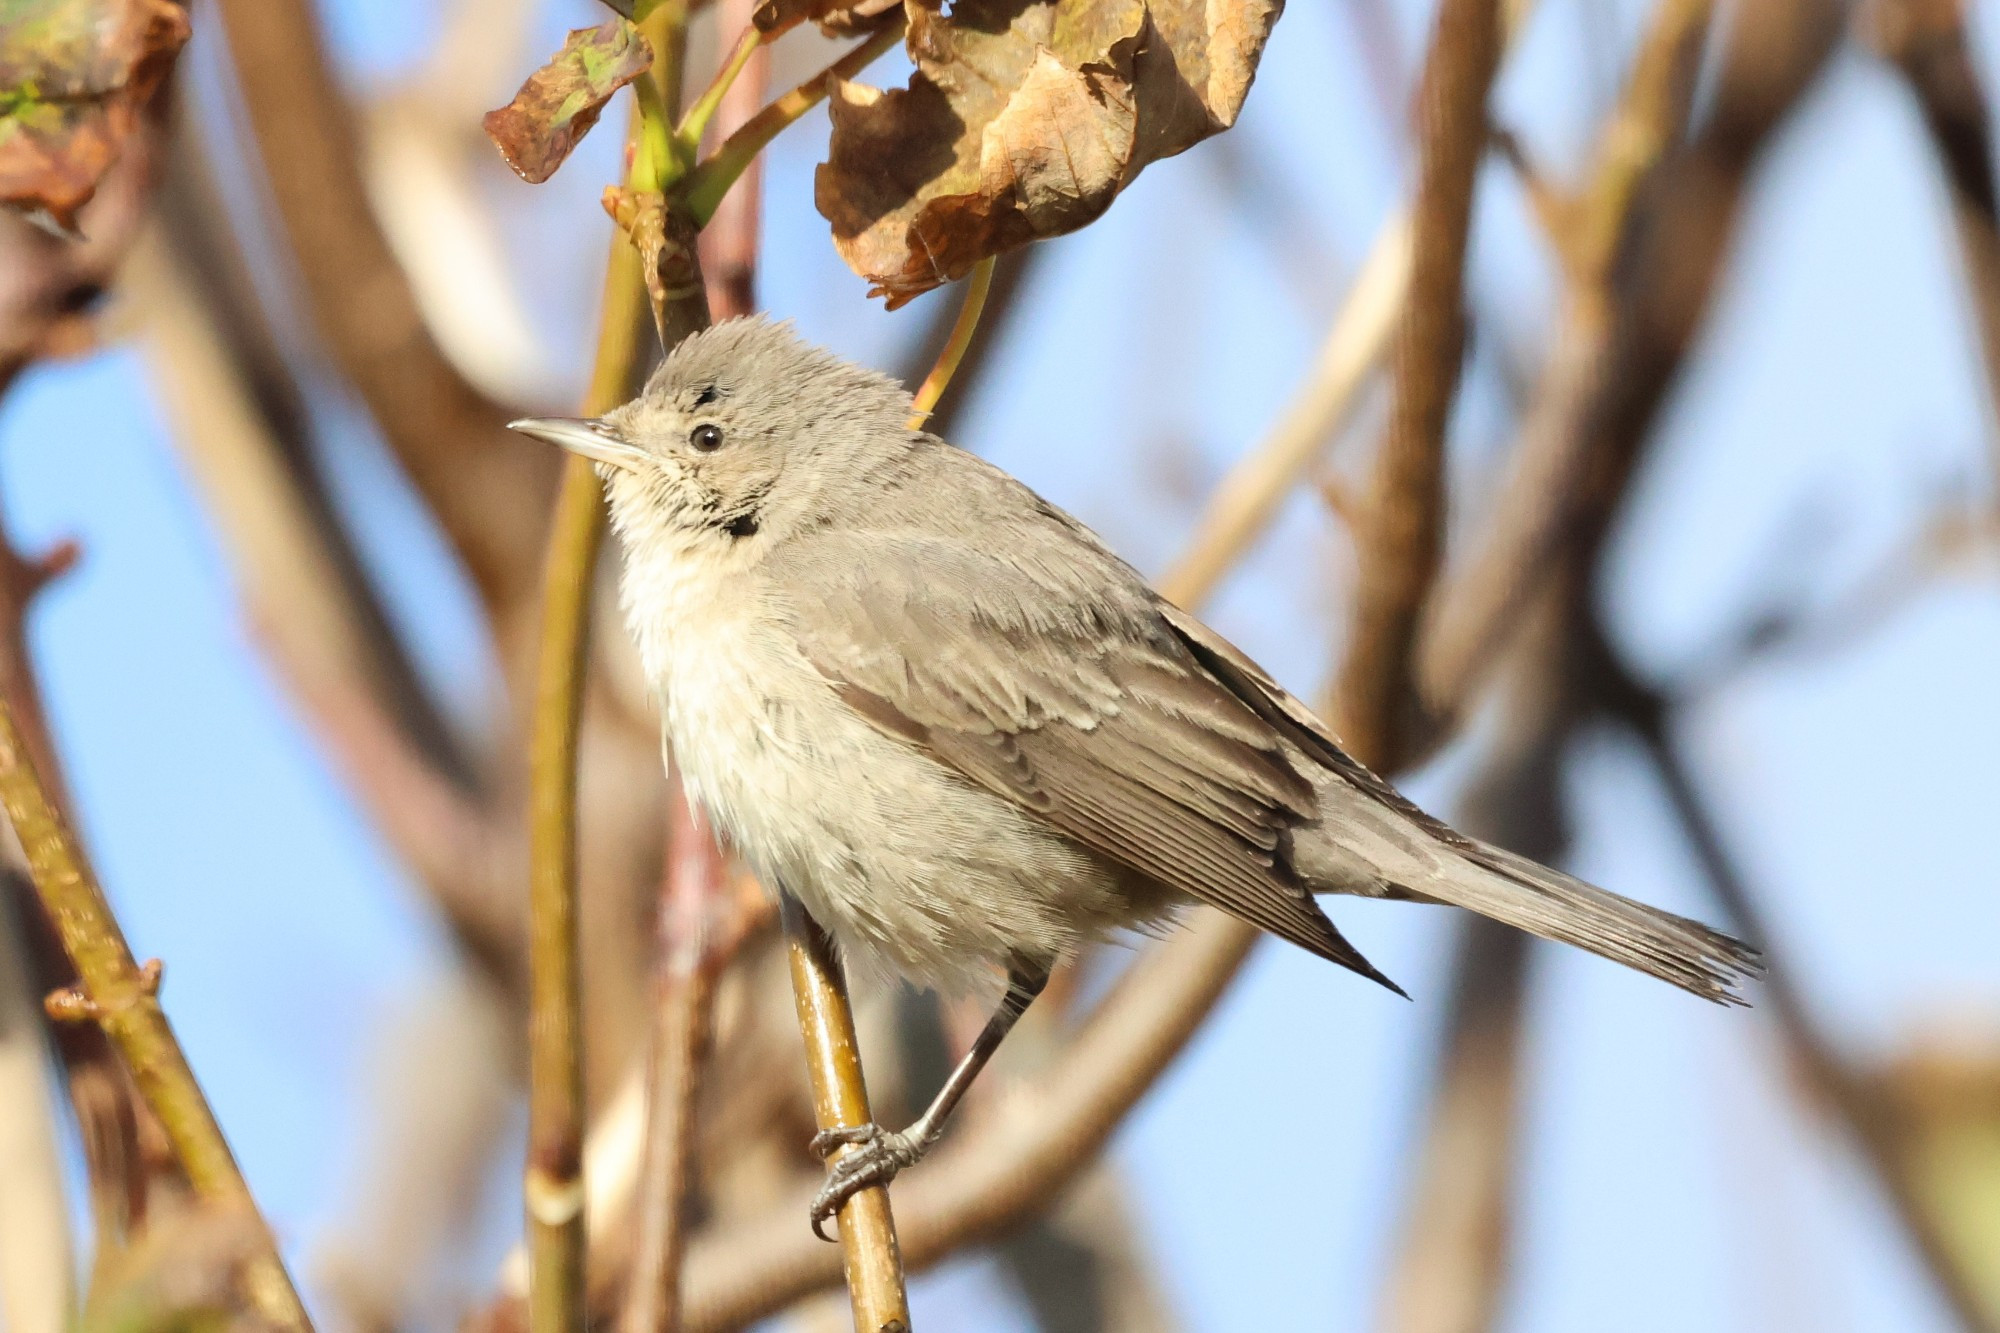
<point>1091,714</point>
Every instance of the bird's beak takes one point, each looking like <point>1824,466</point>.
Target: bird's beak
<point>592,438</point>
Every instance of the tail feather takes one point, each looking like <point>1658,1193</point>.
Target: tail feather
<point>1521,893</point>
<point>1369,847</point>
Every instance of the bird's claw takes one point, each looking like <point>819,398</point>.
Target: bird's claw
<point>877,1157</point>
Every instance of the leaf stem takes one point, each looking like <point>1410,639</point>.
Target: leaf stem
<point>709,181</point>
<point>695,123</point>
<point>978,283</point>
<point>123,999</point>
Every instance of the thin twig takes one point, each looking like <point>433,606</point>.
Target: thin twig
<point>702,925</point>
<point>123,999</point>
<point>707,183</point>
<point>977,284</point>
<point>1397,556</point>
<point>1243,505</point>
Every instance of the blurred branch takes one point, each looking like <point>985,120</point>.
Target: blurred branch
<point>37,1267</point>
<point>123,1000</point>
<point>1847,1095</point>
<point>302,590</point>
<point>1244,504</point>
<point>441,1094</point>
<point>1928,42</point>
<point>1662,242</point>
<point>1398,550</point>
<point>704,921</point>
<point>1451,1265</point>
<point>486,486</point>
<point>1454,1259</point>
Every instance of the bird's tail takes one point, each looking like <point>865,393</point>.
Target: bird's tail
<point>1397,850</point>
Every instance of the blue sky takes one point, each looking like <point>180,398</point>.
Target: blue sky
<point>1669,1179</point>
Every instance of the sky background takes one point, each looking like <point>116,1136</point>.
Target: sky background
<point>1670,1180</point>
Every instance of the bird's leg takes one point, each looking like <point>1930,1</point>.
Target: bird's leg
<point>878,1155</point>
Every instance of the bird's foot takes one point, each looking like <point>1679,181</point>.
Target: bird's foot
<point>878,1155</point>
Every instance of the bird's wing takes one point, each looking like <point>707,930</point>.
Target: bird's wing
<point>1045,673</point>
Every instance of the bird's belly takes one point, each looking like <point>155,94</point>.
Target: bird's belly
<point>911,867</point>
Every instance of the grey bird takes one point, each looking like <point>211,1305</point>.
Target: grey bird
<point>969,739</point>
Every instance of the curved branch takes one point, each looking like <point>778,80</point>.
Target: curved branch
<point>488,488</point>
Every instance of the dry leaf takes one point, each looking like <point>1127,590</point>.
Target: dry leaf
<point>74,75</point>
<point>1024,119</point>
<point>561,101</point>
<point>836,18</point>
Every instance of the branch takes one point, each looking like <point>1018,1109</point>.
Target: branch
<point>704,921</point>
<point>1244,504</point>
<point>123,1000</point>
<point>485,485</point>
<point>983,1183</point>
<point>871,1259</point>
<point>1402,537</point>
<point>1666,238</point>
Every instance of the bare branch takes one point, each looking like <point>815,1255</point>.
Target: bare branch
<point>487,486</point>
<point>125,1003</point>
<point>1397,554</point>
<point>1249,496</point>
<point>1668,233</point>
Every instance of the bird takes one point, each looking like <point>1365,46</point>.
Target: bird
<point>968,738</point>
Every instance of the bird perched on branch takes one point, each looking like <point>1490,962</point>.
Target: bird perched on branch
<point>969,739</point>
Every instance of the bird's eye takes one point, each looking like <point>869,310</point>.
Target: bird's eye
<point>706,437</point>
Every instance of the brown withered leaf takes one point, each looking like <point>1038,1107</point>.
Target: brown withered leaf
<point>74,76</point>
<point>837,18</point>
<point>561,101</point>
<point>1025,118</point>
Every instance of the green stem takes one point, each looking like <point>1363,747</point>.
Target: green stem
<point>711,180</point>
<point>124,1001</point>
<point>695,123</point>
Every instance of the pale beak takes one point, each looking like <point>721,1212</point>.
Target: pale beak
<point>588,436</point>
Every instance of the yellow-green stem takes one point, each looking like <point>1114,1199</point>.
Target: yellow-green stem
<point>693,125</point>
<point>978,283</point>
<point>711,180</point>
<point>553,1182</point>
<point>124,1001</point>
